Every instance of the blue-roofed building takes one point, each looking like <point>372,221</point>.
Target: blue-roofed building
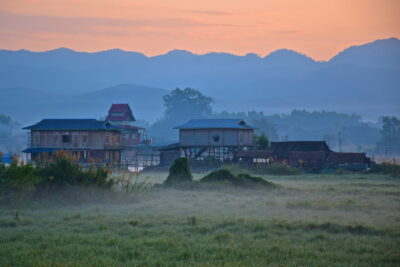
<point>6,158</point>
<point>87,139</point>
<point>217,138</point>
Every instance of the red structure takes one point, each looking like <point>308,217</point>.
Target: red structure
<point>121,116</point>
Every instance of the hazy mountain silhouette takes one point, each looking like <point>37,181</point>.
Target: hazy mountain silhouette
<point>378,54</point>
<point>362,79</point>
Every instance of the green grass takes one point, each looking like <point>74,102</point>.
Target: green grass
<point>310,220</point>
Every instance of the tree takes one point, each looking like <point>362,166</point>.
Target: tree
<point>261,142</point>
<point>390,135</point>
<point>187,103</point>
<point>181,106</point>
<point>179,172</point>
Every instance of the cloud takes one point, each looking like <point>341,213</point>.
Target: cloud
<point>289,32</point>
<point>28,24</point>
<point>211,12</point>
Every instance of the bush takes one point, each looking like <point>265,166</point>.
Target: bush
<point>386,168</point>
<point>235,169</point>
<point>16,182</point>
<point>246,178</point>
<point>271,169</point>
<point>220,176</point>
<point>63,172</point>
<point>241,180</point>
<point>179,172</point>
<point>278,169</point>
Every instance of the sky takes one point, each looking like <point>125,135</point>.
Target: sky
<point>318,28</point>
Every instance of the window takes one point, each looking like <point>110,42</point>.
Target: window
<point>84,138</point>
<point>107,139</point>
<point>216,138</point>
<point>66,139</point>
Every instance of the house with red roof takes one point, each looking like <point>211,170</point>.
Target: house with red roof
<point>121,116</point>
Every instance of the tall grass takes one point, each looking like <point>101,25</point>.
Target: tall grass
<point>313,221</point>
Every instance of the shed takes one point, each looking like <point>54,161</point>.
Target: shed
<point>282,150</point>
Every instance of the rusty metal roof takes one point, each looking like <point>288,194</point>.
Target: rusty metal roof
<point>346,157</point>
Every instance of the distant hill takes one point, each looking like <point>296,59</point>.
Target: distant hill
<point>378,54</point>
<point>363,79</point>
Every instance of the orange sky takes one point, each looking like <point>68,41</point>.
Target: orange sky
<point>318,28</point>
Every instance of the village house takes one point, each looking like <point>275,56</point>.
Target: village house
<point>215,138</point>
<point>121,116</point>
<point>87,139</point>
<point>116,140</point>
<point>308,155</point>
<point>137,146</point>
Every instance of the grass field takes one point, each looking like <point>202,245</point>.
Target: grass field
<point>310,220</point>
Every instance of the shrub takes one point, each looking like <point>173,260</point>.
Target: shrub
<point>278,169</point>
<point>246,178</point>
<point>386,168</point>
<point>219,176</point>
<point>62,172</point>
<point>16,182</point>
<point>261,142</point>
<point>235,169</point>
<point>179,172</point>
<point>128,182</point>
<point>271,169</point>
<point>241,180</point>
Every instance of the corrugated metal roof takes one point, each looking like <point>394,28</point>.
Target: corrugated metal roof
<point>72,125</point>
<point>347,157</point>
<point>284,148</point>
<point>215,124</point>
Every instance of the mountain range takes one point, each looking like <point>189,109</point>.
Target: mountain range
<point>362,79</point>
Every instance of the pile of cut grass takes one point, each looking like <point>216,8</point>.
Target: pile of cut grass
<point>241,180</point>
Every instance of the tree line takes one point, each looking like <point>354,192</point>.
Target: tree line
<point>337,129</point>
